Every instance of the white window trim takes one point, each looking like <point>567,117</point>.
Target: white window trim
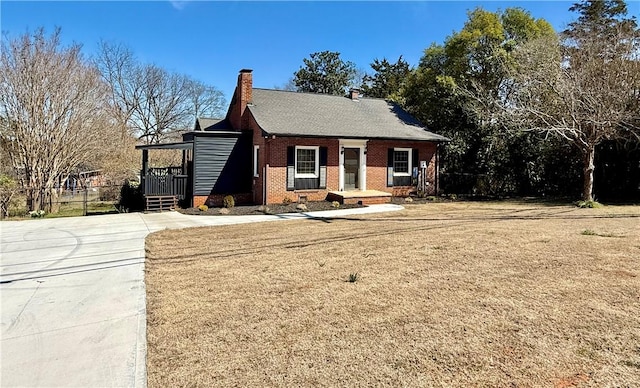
<point>362,145</point>
<point>256,167</point>
<point>409,158</point>
<point>317,164</point>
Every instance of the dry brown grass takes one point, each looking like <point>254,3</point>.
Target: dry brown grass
<point>451,294</point>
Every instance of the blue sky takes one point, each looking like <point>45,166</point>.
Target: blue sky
<point>211,41</point>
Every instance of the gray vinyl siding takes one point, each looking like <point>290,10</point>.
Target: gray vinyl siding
<point>221,165</point>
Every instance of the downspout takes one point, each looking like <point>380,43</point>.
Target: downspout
<point>265,178</point>
<point>437,168</point>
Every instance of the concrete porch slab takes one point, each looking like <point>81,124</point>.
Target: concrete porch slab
<point>365,197</point>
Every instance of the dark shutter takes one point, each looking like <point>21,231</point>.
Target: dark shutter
<point>323,168</point>
<point>415,166</point>
<point>390,167</point>
<point>291,168</point>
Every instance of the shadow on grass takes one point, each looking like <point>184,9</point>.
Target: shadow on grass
<point>391,225</point>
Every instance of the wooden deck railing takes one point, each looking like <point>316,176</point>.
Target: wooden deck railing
<point>162,185</point>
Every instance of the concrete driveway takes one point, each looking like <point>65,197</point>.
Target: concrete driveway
<point>72,295</point>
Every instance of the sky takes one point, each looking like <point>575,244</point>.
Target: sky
<point>212,40</point>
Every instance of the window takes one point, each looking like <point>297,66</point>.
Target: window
<point>401,161</point>
<point>306,162</point>
<point>256,160</point>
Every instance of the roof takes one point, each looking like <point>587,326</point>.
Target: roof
<point>211,124</point>
<point>319,115</point>
<point>166,146</point>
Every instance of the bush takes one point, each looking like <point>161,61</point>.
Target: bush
<point>302,207</point>
<point>353,277</point>
<point>264,209</point>
<point>36,213</point>
<point>286,201</point>
<point>203,208</point>
<point>131,197</point>
<point>588,204</point>
<point>228,201</point>
<point>335,204</point>
<point>110,193</point>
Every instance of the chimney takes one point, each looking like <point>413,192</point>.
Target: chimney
<point>354,93</point>
<point>244,96</point>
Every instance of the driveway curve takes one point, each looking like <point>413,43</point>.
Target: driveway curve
<point>72,294</point>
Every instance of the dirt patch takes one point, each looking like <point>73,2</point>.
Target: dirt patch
<point>447,294</point>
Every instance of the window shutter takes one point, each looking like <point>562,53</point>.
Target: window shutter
<point>390,167</point>
<point>291,168</point>
<point>323,168</point>
<point>415,166</point>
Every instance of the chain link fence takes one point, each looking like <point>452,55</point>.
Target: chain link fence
<point>76,201</point>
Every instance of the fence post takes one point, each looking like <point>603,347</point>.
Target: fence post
<point>84,201</point>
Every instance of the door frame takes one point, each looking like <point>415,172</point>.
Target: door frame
<point>362,170</point>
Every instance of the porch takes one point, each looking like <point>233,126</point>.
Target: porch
<point>166,187</point>
<point>364,197</point>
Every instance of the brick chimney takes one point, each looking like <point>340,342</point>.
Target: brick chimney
<point>354,94</point>
<point>244,96</point>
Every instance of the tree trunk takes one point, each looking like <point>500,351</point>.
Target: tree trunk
<point>588,167</point>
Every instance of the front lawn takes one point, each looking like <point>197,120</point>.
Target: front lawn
<point>445,294</point>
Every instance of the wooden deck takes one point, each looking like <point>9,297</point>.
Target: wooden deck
<point>366,197</point>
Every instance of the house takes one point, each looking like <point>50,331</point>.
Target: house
<point>276,146</point>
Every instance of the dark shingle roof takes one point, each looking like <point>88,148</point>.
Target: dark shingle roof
<point>211,124</point>
<point>305,114</point>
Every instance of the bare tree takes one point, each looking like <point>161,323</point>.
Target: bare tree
<point>153,103</point>
<point>52,102</point>
<point>164,106</point>
<point>206,101</point>
<point>585,95</point>
<point>289,86</point>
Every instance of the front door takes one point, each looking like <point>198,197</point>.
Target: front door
<point>351,168</point>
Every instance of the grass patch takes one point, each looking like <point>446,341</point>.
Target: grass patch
<point>589,232</point>
<point>588,204</point>
<point>531,304</point>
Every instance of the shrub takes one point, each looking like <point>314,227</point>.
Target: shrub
<point>335,204</point>
<point>408,199</point>
<point>36,213</point>
<point>223,210</point>
<point>110,193</point>
<point>286,201</point>
<point>588,232</point>
<point>588,204</point>
<point>353,277</point>
<point>228,201</point>
<point>131,197</point>
<point>203,208</point>
<point>302,207</point>
<point>264,209</point>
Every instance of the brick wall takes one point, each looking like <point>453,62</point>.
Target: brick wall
<point>277,173</point>
<point>275,150</point>
<point>217,199</point>
<point>258,140</point>
<point>377,154</point>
